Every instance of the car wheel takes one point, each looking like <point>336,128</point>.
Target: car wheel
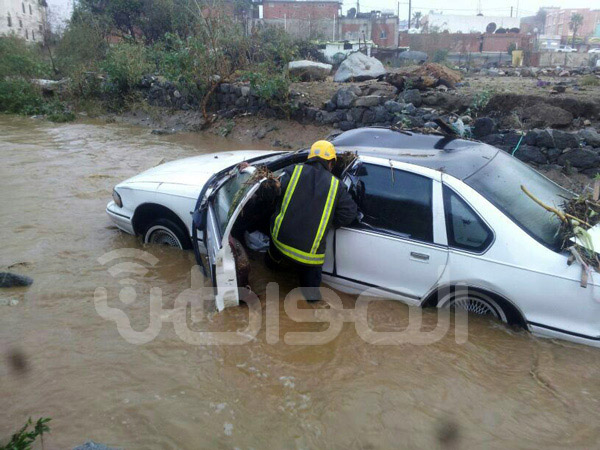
<point>166,232</point>
<point>474,303</point>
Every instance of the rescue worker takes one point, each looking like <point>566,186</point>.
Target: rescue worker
<point>312,201</point>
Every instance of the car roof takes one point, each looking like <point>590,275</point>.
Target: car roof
<point>454,156</point>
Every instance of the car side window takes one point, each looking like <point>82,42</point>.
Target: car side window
<point>464,227</point>
<point>394,201</point>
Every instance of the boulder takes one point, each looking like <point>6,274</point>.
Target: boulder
<point>412,96</point>
<point>580,158</point>
<point>381,114</point>
<point>530,154</point>
<point>359,67</point>
<point>356,114</point>
<point>544,115</point>
<point>309,70</point>
<point>344,97</point>
<point>346,125</point>
<point>590,136</point>
<point>326,117</point>
<point>394,107</point>
<point>483,126</point>
<point>368,117</point>
<point>563,140</point>
<point>368,101</point>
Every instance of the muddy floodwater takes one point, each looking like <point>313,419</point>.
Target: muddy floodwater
<point>61,359</point>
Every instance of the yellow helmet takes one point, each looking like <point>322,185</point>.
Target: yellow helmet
<point>322,149</point>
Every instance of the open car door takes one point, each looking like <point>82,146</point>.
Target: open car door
<point>214,218</point>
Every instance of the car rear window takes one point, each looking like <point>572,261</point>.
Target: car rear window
<point>500,182</point>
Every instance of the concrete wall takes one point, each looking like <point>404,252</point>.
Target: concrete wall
<point>466,24</point>
<point>300,10</point>
<point>23,18</point>
<point>465,43</point>
<point>553,59</point>
<point>319,28</point>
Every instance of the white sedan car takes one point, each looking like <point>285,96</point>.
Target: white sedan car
<point>439,213</point>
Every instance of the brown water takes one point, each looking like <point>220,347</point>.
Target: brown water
<point>500,389</point>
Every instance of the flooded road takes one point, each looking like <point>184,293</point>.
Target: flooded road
<point>499,389</point>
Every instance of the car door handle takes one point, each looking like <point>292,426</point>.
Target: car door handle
<point>419,256</point>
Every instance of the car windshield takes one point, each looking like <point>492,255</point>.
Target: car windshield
<point>229,196</point>
<point>500,182</point>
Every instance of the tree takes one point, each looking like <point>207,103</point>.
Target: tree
<point>575,23</point>
<point>417,18</point>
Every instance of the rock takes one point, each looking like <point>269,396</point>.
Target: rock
<point>367,101</point>
<point>431,125</point>
<point>530,154</point>
<point>558,89</point>
<point>368,117</point>
<point>330,106</point>
<point>544,115</point>
<point>587,122</point>
<point>379,88</point>
<point>409,109</point>
<point>564,73</point>
<point>357,114</point>
<point>393,107</point>
<point>466,119</point>
<point>495,139</point>
<point>563,140</point>
<point>579,158</point>
<point>326,117</point>
<point>553,154</point>
<point>9,301</point>
<point>414,56</point>
<point>590,136</point>
<point>412,96</point>
<point>176,94</point>
<point>526,72</point>
<point>346,125</point>
<point>344,97</point>
<point>359,67</point>
<point>51,86</point>
<point>483,126</point>
<point>381,114</point>
<point>309,70</point>
<point>245,91</point>
<point>91,445</point>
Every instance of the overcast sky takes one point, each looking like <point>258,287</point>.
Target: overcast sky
<point>464,7</point>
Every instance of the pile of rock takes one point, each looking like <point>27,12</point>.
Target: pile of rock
<point>546,147</point>
<point>161,92</point>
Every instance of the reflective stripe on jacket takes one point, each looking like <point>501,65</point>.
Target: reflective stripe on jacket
<point>301,221</point>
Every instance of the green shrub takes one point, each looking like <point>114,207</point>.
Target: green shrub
<point>20,59</point>
<point>18,96</point>
<point>270,86</point>
<point>590,80</point>
<point>23,439</point>
<point>125,64</point>
<point>440,55</point>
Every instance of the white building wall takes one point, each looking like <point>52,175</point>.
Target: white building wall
<point>468,24</point>
<point>23,18</point>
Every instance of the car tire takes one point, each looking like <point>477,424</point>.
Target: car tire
<point>475,303</point>
<point>166,232</point>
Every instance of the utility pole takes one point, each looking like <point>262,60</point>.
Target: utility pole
<point>409,12</point>
<point>511,11</point>
<point>357,6</point>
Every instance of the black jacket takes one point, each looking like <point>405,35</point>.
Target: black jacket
<point>305,221</point>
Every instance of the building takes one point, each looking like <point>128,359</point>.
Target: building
<point>467,24</point>
<point>23,18</point>
<point>301,9</point>
<point>378,27</point>
<point>558,20</point>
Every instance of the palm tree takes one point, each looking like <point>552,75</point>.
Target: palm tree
<point>574,24</point>
<point>417,18</point>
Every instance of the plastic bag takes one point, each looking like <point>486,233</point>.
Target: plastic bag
<point>257,241</point>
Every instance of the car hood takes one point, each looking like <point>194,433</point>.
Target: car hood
<point>194,171</point>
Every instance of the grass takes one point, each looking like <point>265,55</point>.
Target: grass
<point>590,80</point>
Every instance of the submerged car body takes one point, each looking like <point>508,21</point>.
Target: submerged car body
<point>439,213</point>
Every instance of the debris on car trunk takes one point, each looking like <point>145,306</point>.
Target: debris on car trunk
<point>579,218</point>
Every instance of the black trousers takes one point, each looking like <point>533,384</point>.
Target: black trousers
<point>309,277</point>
